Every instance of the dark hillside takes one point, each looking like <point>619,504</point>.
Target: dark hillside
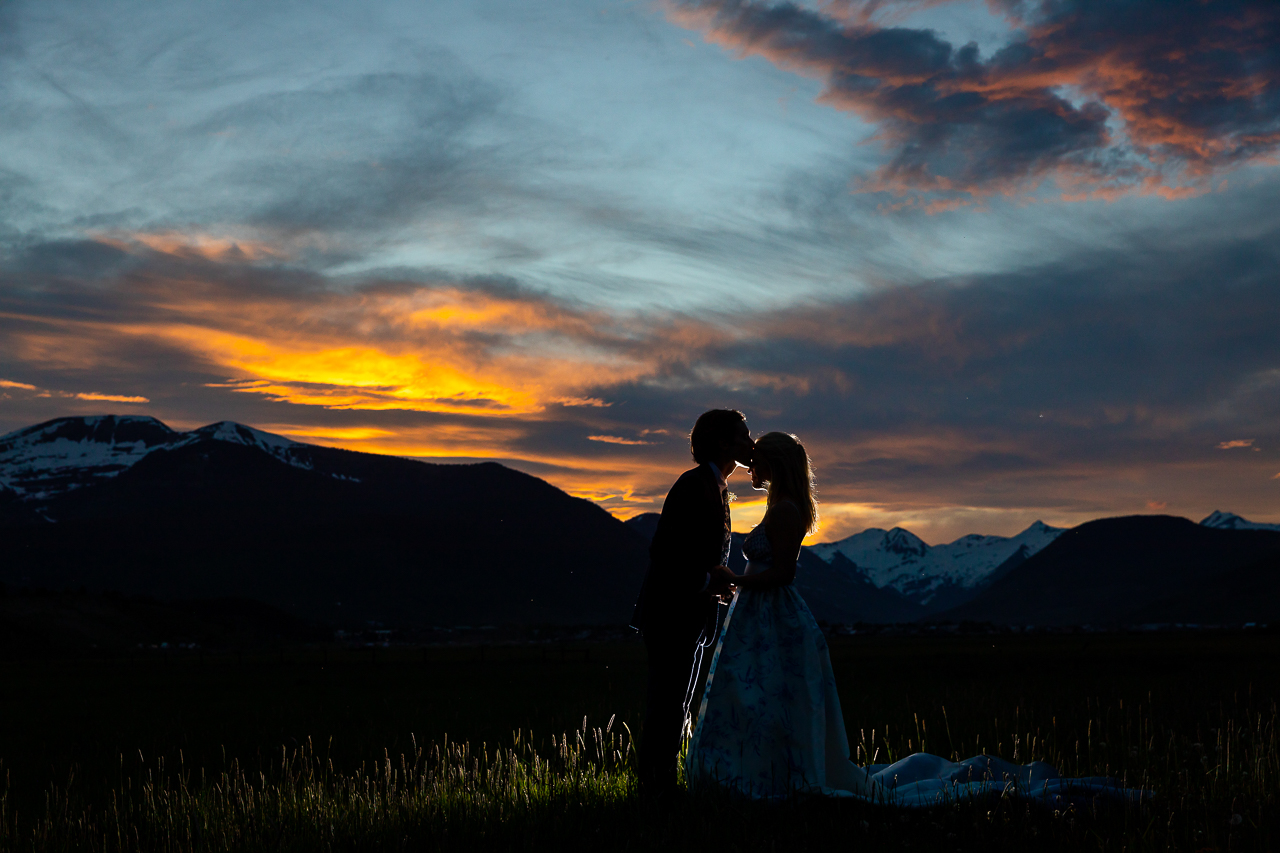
<point>1247,594</point>
<point>1138,569</point>
<point>353,537</point>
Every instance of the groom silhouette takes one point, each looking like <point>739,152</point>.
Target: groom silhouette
<point>676,611</point>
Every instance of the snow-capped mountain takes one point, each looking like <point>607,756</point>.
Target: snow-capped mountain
<point>899,559</point>
<point>40,463</point>
<point>293,452</point>
<point>57,456</point>
<point>1231,521</point>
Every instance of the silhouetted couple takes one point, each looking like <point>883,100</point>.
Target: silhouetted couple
<point>770,723</point>
<point>770,698</point>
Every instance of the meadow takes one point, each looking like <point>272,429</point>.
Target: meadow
<point>528,747</point>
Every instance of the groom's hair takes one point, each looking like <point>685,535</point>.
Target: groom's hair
<point>712,431</point>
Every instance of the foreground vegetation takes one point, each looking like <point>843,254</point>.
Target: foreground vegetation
<point>1193,718</point>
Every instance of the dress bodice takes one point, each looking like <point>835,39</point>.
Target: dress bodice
<point>756,547</point>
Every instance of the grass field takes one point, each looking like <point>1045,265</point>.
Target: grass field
<point>486,748</point>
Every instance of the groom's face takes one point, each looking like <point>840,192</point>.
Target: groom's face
<point>742,447</point>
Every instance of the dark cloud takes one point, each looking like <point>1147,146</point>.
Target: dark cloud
<point>74,260</point>
<point>1193,87</point>
<point>10,37</point>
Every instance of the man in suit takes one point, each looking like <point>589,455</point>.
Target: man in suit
<point>676,611</point>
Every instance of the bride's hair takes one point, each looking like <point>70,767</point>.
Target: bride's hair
<point>790,474</point>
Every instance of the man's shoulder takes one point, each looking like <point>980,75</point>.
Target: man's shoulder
<point>697,479</point>
<point>698,473</point>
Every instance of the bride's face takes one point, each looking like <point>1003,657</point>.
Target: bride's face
<point>759,474</point>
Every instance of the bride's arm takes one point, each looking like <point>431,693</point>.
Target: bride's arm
<point>785,529</point>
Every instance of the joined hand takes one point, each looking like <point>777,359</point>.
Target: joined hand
<point>722,582</point>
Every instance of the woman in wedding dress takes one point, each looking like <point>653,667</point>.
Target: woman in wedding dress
<point>770,724</point>
<point>770,721</point>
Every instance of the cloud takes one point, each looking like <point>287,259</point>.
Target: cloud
<point>446,346</point>
<point>110,398</point>
<point>594,402</point>
<point>367,152</point>
<point>91,396</point>
<point>613,439</point>
<point>1103,98</point>
<point>339,434</point>
<point>199,245</point>
<point>1239,442</point>
<point>917,402</point>
<point>333,141</point>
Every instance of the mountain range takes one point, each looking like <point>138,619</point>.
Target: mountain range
<point>342,538</point>
<point>1159,569</point>
<point>938,576</point>
<point>894,576</point>
<point>127,504</point>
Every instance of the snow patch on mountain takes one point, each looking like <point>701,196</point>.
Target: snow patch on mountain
<point>277,445</point>
<point>1231,521</point>
<point>70,453</point>
<point>39,463</point>
<point>899,559</point>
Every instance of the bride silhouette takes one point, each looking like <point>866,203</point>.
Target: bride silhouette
<point>770,723</point>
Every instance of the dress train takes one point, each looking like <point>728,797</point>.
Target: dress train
<point>770,726</point>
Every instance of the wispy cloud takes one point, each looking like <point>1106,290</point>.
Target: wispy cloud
<point>91,396</point>
<point>614,439</point>
<point>110,398</point>
<point>1239,442</point>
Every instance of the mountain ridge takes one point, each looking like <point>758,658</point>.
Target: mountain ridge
<point>1231,521</point>
<point>335,535</point>
<point>344,537</point>
<point>934,576</point>
<point>45,461</point>
<point>1135,570</point>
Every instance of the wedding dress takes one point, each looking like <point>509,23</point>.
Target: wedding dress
<point>770,724</point>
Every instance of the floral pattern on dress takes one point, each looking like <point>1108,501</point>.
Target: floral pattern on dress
<point>770,723</point>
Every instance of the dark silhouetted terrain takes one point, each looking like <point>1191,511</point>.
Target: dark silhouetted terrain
<point>1139,569</point>
<point>332,535</point>
<point>345,539</point>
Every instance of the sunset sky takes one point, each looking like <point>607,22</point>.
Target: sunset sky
<point>992,262</point>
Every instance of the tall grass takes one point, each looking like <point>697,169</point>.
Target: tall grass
<point>450,792</point>
<point>1216,780</point>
